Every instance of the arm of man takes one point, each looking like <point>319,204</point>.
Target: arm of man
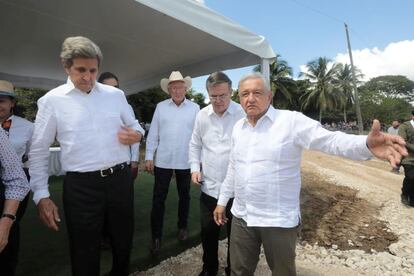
<point>194,153</point>
<point>16,186</point>
<point>310,134</point>
<point>131,132</point>
<point>152,142</point>
<point>226,191</point>
<point>134,159</point>
<point>44,134</point>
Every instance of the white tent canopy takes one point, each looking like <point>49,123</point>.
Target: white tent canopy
<point>142,41</point>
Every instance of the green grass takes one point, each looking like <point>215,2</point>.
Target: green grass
<point>45,252</point>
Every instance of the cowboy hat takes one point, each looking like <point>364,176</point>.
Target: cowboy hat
<point>175,76</point>
<point>6,89</point>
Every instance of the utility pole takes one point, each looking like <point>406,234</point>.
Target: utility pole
<point>357,106</point>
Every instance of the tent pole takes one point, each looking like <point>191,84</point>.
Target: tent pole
<point>265,68</point>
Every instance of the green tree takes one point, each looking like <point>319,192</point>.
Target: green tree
<point>343,82</point>
<point>196,97</point>
<point>27,102</point>
<point>399,86</point>
<point>145,102</point>
<point>382,107</point>
<point>321,93</point>
<point>283,86</point>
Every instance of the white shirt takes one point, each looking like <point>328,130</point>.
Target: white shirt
<point>170,134</point>
<point>134,148</point>
<point>392,130</point>
<point>20,135</point>
<point>210,145</point>
<point>264,167</point>
<point>86,126</point>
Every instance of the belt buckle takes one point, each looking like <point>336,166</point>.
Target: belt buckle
<point>103,172</point>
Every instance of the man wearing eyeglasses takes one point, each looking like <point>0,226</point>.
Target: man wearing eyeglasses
<point>210,149</point>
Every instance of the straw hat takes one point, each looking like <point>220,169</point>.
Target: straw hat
<point>6,89</point>
<point>175,76</point>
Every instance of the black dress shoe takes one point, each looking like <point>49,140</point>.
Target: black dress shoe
<point>155,246</point>
<point>182,234</point>
<point>407,200</point>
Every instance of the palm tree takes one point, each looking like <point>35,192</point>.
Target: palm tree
<point>282,84</point>
<point>343,81</point>
<point>322,92</point>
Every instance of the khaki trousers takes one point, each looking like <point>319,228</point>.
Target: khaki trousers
<point>279,247</point>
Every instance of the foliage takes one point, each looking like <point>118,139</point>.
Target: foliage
<point>27,102</point>
<point>343,82</point>
<point>396,86</point>
<point>321,93</point>
<point>382,107</point>
<point>235,96</point>
<point>196,97</point>
<point>145,102</point>
<point>283,86</point>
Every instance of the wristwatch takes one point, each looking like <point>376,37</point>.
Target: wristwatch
<point>10,216</point>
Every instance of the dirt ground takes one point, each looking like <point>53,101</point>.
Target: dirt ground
<point>334,215</point>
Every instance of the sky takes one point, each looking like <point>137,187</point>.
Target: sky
<point>381,32</point>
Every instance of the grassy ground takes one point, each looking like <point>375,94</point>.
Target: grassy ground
<point>44,252</point>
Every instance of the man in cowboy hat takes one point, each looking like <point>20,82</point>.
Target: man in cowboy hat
<point>169,136</point>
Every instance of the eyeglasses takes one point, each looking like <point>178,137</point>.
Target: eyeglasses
<point>218,97</point>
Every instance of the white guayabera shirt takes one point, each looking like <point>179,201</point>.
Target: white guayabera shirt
<point>210,145</point>
<point>170,134</point>
<point>85,125</point>
<point>264,167</point>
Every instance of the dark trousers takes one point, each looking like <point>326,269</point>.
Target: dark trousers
<point>408,182</point>
<point>210,232</point>
<point>9,255</point>
<point>161,185</point>
<point>87,199</point>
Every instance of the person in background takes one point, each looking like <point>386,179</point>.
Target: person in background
<point>169,136</point>
<point>393,129</point>
<point>210,149</point>
<point>13,189</point>
<point>264,178</point>
<point>94,128</point>
<point>109,78</point>
<point>19,131</point>
<point>406,131</point>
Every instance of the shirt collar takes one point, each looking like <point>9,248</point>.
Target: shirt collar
<point>230,109</point>
<point>71,87</point>
<point>270,115</point>
<point>170,101</point>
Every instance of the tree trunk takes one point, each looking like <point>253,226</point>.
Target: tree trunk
<point>320,116</point>
<point>345,115</point>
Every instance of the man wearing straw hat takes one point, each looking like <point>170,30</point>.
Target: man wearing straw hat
<point>169,136</point>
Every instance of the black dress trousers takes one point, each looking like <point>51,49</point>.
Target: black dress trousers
<point>87,199</point>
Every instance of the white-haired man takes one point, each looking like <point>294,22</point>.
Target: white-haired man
<point>94,127</point>
<point>264,175</point>
<point>169,136</point>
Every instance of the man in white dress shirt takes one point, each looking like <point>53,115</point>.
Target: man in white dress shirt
<point>94,127</point>
<point>264,175</point>
<point>210,149</point>
<point>169,136</point>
